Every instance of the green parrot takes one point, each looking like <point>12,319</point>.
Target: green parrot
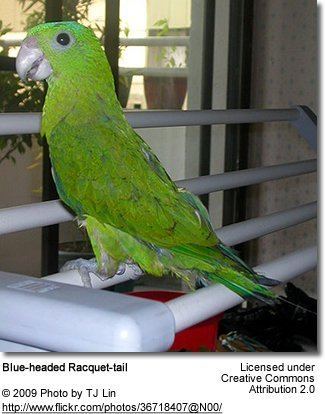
<point>111,179</point>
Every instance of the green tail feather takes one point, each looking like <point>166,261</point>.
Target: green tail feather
<point>260,279</point>
<point>241,285</point>
<point>232,254</point>
<point>220,264</point>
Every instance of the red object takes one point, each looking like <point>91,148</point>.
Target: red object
<point>164,93</point>
<point>199,337</point>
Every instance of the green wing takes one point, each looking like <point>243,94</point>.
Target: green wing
<point>112,173</point>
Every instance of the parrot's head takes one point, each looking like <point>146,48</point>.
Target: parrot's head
<point>52,50</point>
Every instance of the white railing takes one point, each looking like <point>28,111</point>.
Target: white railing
<point>231,235</point>
<point>30,123</point>
<point>156,72</point>
<point>29,216</point>
<point>204,303</point>
<point>15,39</point>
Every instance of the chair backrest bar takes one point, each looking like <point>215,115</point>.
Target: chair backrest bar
<point>52,212</point>
<point>301,118</point>
<point>28,123</point>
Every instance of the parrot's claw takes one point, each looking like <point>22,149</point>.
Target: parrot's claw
<point>85,267</point>
<point>90,264</point>
<point>85,277</point>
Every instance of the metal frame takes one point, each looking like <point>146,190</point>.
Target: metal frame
<point>238,96</point>
<point>30,123</point>
<point>111,38</point>
<point>29,216</point>
<point>159,72</point>
<point>209,9</point>
<point>231,235</point>
<point>50,234</point>
<point>128,331</point>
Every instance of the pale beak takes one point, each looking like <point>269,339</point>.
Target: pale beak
<point>31,62</point>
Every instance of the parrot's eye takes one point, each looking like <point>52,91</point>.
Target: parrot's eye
<point>63,39</point>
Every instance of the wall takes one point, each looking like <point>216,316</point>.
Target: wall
<point>284,74</point>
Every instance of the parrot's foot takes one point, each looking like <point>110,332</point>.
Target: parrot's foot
<point>85,267</point>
